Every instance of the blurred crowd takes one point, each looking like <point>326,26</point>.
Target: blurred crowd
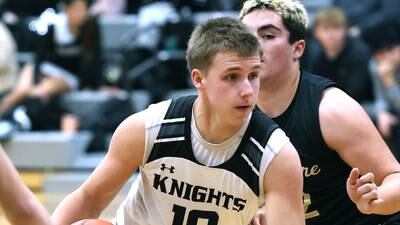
<point>358,46</point>
<point>355,44</point>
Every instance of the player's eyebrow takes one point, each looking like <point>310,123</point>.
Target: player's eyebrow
<point>237,68</point>
<point>267,27</point>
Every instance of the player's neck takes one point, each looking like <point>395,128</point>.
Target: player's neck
<point>276,93</point>
<point>212,127</point>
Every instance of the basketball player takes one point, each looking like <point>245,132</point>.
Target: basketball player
<point>334,137</point>
<point>16,200</point>
<point>209,159</point>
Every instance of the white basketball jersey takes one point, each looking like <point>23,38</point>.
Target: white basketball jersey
<point>173,188</point>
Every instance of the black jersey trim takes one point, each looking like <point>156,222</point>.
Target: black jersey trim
<point>171,130</point>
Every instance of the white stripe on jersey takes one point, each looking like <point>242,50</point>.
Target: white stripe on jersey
<point>182,119</point>
<point>251,164</point>
<point>261,148</point>
<point>163,140</point>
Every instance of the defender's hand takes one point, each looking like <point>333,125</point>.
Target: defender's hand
<point>363,191</point>
<point>259,218</point>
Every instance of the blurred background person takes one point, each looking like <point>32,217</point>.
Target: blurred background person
<point>8,60</point>
<point>339,57</point>
<point>67,58</point>
<point>108,7</point>
<point>368,14</point>
<point>8,71</point>
<point>384,42</point>
<point>17,14</point>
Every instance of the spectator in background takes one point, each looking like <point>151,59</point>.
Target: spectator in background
<point>8,71</point>
<point>385,70</point>
<point>8,60</point>
<point>22,8</point>
<point>143,45</point>
<point>108,7</point>
<point>368,14</point>
<point>340,58</point>
<point>17,14</point>
<point>68,58</point>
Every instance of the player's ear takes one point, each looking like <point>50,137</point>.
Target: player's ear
<point>298,49</point>
<point>198,78</point>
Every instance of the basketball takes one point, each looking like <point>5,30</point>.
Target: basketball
<point>92,222</point>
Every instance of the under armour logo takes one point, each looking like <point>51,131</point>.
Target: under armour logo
<point>171,169</point>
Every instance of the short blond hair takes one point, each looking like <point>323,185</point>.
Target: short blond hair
<point>294,15</point>
<point>331,16</point>
<point>219,35</point>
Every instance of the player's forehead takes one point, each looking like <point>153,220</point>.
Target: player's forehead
<point>228,61</point>
<point>262,19</point>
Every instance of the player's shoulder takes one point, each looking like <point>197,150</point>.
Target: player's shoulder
<point>340,117</point>
<point>134,124</point>
<point>163,105</point>
<point>138,122</point>
<point>155,113</point>
<point>335,102</point>
<point>277,140</point>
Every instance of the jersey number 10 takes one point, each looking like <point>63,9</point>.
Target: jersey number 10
<point>193,216</point>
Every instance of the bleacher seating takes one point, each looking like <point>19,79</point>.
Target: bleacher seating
<point>46,150</point>
<point>80,102</point>
<point>54,192</point>
<point>114,28</point>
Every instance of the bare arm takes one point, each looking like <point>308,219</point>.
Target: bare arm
<point>21,89</point>
<point>123,158</point>
<point>19,204</point>
<point>50,86</point>
<point>283,185</point>
<point>347,129</point>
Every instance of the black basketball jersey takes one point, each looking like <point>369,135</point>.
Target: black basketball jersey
<point>175,188</point>
<point>325,198</point>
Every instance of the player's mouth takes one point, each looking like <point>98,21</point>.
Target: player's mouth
<point>243,108</point>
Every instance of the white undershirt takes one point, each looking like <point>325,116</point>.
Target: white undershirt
<point>211,154</point>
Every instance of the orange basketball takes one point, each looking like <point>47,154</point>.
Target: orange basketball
<point>92,222</point>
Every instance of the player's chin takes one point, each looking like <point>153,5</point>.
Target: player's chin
<point>242,113</point>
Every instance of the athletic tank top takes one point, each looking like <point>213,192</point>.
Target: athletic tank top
<point>325,198</point>
<point>174,188</point>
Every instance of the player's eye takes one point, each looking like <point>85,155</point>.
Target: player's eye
<point>267,36</point>
<point>231,77</point>
<point>254,75</point>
